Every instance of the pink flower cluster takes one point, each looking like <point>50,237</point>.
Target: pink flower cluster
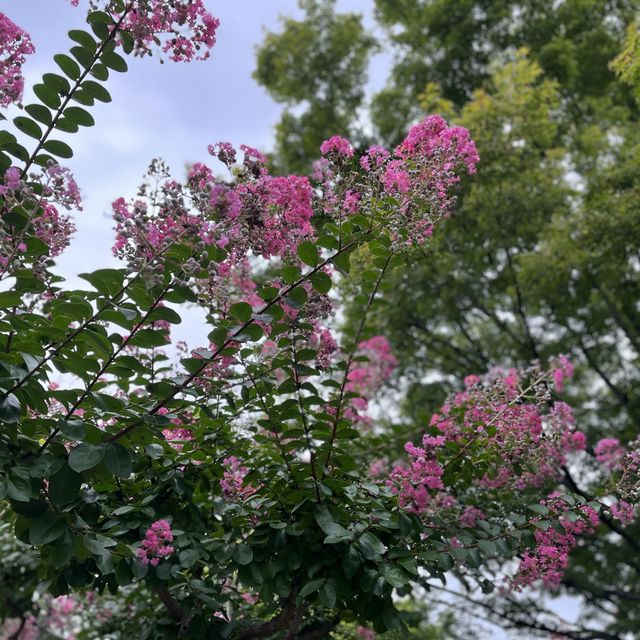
<point>261,214</point>
<point>432,137</point>
<point>609,453</point>
<point>524,445</point>
<point>337,146</point>
<point>548,560</point>
<point>419,175</point>
<point>323,341</point>
<point>54,229</point>
<point>416,483</point>
<point>61,187</point>
<point>367,376</point>
<point>15,44</point>
<point>232,482</point>
<point>177,435</point>
<point>623,511</point>
<point>188,29</point>
<point>280,213</point>
<point>155,545</point>
<point>563,369</point>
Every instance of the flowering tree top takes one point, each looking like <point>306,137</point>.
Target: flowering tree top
<point>240,483</point>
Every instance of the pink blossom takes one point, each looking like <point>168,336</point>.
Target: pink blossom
<point>433,137</point>
<point>155,544</point>
<point>232,482</point>
<point>511,379</point>
<point>471,381</point>
<point>563,369</point>
<point>608,452</point>
<point>12,180</point>
<point>396,179</point>
<point>374,158</point>
<point>338,146</point>
<point>622,511</point>
<point>224,151</point>
<point>351,199</point>
<point>470,516</point>
<point>549,559</point>
<point>53,229</point>
<point>188,29</point>
<point>15,44</point>
<point>61,187</point>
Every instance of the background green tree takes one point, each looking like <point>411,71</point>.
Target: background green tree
<point>317,68</point>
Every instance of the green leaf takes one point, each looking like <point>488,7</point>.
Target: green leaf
<point>250,332</point>
<point>106,281</point>
<point>58,148</point>
<point>321,282</point>
<point>72,429</point>
<point>10,299</point>
<point>148,339</point>
<point>291,274</point>
<point>79,116</point>
<point>308,253</point>
<point>101,72</point>
<point>128,41</point>
<point>68,65</point>
<point>86,456</point>
<point>28,127</point>
<point>64,487</point>
<point>99,17</point>
<point>311,587</point>
<point>16,150</point>
<point>95,546</point>
<point>342,263</point>
<point>488,547</point>
<point>114,61</point>
<point>66,125</point>
<point>84,38</point>
<point>19,489</point>
<point>538,508</point>
<point>154,451</point>
<point>188,557</point>
<point>57,83</point>
<point>268,293</point>
<point>328,595</point>
<point>242,554</point>
<point>83,98</point>
<point>42,160</point>
<point>395,577</point>
<point>118,460</point>
<point>84,57</point>
<point>165,313</point>
<point>323,516</point>
<point>124,575</point>
<point>47,528</point>
<point>241,311</point>
<point>47,95</point>
<point>371,546</point>
<point>40,113</point>
<point>10,409</point>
